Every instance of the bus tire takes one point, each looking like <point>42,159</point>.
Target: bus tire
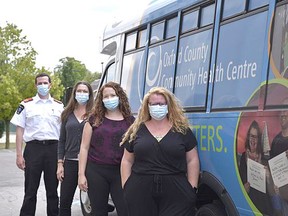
<point>86,206</point>
<point>211,209</point>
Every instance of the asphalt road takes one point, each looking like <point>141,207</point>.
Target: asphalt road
<point>12,189</point>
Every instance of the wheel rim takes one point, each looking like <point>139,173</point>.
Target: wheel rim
<point>85,202</point>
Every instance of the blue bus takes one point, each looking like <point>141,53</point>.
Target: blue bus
<point>227,62</point>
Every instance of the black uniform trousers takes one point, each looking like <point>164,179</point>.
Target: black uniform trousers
<point>40,156</point>
<point>159,195</point>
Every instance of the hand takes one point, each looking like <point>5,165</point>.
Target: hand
<point>276,190</point>
<point>60,172</point>
<point>82,183</point>
<point>20,162</point>
<point>247,187</point>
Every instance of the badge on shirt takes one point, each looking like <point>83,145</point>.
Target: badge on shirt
<point>20,109</point>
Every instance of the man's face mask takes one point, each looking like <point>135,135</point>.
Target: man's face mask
<point>43,89</point>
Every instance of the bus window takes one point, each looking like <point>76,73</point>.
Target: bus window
<point>192,69</point>
<point>190,21</point>
<point>130,41</point>
<point>142,37</point>
<point>157,32</point>
<point>232,7</point>
<point>279,58</point>
<point>110,74</point>
<point>170,28</point>
<point>133,78</point>
<point>160,66</point>
<point>207,15</point>
<point>253,4</point>
<point>239,61</point>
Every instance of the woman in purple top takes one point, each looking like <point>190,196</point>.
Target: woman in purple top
<point>100,152</point>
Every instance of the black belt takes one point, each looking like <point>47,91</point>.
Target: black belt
<point>43,142</point>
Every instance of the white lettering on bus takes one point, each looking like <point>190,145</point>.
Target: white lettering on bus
<point>186,80</point>
<point>169,59</point>
<point>203,74</point>
<point>242,71</point>
<point>198,53</point>
<point>167,82</point>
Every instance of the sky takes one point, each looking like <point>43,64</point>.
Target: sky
<point>66,28</point>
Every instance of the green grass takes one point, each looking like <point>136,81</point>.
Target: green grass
<point>11,146</point>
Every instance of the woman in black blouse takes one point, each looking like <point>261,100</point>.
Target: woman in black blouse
<point>160,165</point>
<point>72,118</point>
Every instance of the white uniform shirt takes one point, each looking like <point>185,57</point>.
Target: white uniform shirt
<point>39,118</point>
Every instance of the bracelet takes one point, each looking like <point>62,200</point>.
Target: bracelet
<point>61,162</point>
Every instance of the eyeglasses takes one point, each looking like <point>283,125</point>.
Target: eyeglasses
<point>251,136</point>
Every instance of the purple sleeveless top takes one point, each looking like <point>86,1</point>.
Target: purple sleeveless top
<point>105,140</point>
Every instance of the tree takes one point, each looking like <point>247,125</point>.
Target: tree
<point>17,73</point>
<point>90,77</point>
<point>71,71</point>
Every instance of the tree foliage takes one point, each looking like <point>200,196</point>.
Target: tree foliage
<point>17,72</point>
<point>71,71</point>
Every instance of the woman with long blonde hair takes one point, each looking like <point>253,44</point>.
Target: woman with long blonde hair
<point>160,165</point>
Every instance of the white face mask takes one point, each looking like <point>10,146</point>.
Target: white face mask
<point>82,98</point>
<point>158,112</point>
<point>43,89</point>
<point>111,103</point>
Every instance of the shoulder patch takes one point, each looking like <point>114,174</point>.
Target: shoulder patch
<point>27,100</point>
<point>20,109</point>
<point>57,101</point>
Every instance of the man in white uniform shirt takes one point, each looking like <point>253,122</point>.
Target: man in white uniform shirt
<point>37,122</point>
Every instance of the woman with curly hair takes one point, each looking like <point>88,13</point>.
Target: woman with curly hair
<point>100,152</point>
<point>160,165</point>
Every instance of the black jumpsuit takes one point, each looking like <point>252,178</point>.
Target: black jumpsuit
<point>158,185</point>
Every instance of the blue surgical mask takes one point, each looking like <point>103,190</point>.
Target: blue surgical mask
<point>111,103</point>
<point>82,98</point>
<point>158,112</point>
<point>43,89</point>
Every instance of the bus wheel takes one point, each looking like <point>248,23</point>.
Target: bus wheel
<point>85,204</point>
<point>211,210</point>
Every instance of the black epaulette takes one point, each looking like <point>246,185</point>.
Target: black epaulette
<point>57,101</point>
<point>27,100</point>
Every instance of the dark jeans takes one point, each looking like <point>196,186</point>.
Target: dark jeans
<point>102,180</point>
<point>40,158</point>
<point>68,187</point>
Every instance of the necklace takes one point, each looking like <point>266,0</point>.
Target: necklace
<point>159,138</point>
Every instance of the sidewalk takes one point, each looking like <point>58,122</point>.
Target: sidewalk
<point>12,188</point>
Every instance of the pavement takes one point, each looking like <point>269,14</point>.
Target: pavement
<point>12,189</point>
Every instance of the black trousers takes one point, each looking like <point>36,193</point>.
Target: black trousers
<point>102,180</point>
<point>40,158</point>
<point>159,195</point>
<point>68,187</point>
